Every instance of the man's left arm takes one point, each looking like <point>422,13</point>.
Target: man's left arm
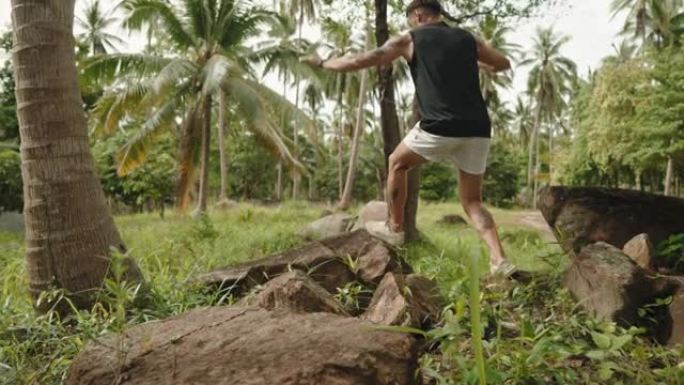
<point>394,48</point>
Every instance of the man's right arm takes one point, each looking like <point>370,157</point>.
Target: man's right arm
<point>492,59</point>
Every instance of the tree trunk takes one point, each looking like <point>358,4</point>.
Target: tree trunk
<point>279,180</point>
<point>296,178</point>
<point>345,200</point>
<point>669,175</point>
<point>389,122</point>
<point>340,137</point>
<point>204,160</point>
<point>223,155</point>
<point>69,228</point>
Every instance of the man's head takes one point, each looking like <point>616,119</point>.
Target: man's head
<point>421,12</point>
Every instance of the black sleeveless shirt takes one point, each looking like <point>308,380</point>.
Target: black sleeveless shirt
<point>447,79</point>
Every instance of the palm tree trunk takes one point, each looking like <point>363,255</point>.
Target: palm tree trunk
<point>340,137</point>
<point>537,169</point>
<point>534,141</point>
<point>345,200</point>
<point>223,155</point>
<point>69,229</point>
<point>204,158</point>
<point>297,178</point>
<point>389,122</point>
<point>669,175</point>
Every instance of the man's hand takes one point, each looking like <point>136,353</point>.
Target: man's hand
<point>313,60</point>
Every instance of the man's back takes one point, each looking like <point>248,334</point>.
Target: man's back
<point>445,72</point>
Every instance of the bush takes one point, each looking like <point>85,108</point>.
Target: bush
<point>11,198</point>
<point>438,182</point>
<point>502,179</point>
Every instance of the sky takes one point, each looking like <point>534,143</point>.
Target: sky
<point>587,22</point>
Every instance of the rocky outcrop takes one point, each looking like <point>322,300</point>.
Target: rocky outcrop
<point>320,262</point>
<point>641,250</point>
<point>372,211</point>
<point>610,285</point>
<point>581,216</point>
<point>328,226</point>
<point>249,346</point>
<point>405,301</point>
<point>296,292</point>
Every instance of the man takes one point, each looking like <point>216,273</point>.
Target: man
<point>455,127</point>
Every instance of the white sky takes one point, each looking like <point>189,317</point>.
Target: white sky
<point>588,22</point>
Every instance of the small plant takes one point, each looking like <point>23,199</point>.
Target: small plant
<point>349,296</point>
<point>671,251</point>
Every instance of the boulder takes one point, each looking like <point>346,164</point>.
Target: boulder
<point>608,284</point>
<point>452,219</point>
<point>410,300</point>
<point>584,215</point>
<point>371,256</point>
<point>372,211</point>
<point>327,226</point>
<point>320,262</point>
<point>641,250</point>
<point>249,346</point>
<point>296,292</point>
<point>676,312</point>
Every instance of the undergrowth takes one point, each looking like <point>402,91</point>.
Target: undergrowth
<point>531,333</point>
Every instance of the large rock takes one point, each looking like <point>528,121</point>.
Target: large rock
<point>372,257</point>
<point>296,292</point>
<point>372,211</point>
<point>580,216</point>
<point>641,250</point>
<point>452,219</point>
<point>249,346</point>
<point>407,301</point>
<point>319,261</point>
<point>609,284</point>
<point>328,226</point>
<point>676,313</point>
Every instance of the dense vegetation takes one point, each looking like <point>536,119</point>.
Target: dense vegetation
<point>223,109</point>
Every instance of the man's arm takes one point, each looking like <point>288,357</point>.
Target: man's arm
<point>489,58</point>
<point>393,48</point>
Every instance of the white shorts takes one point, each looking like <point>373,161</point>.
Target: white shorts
<point>466,154</point>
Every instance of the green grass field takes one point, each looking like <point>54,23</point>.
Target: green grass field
<point>533,333</point>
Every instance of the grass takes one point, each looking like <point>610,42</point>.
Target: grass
<point>532,334</point>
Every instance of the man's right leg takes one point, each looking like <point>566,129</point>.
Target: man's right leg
<point>401,161</point>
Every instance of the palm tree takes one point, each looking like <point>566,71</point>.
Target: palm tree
<point>494,33</point>
<point>549,81</point>
<point>156,89</point>
<point>69,229</point>
<point>302,9</point>
<point>656,22</point>
<point>95,23</point>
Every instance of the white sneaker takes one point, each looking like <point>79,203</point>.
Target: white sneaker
<point>380,230</point>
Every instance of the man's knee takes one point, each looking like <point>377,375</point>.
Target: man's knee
<point>396,163</point>
<point>481,218</point>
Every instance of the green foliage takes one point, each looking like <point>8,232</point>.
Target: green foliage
<point>671,251</point>
<point>438,182</point>
<point>9,126</point>
<point>502,180</point>
<point>151,184</point>
<point>11,194</point>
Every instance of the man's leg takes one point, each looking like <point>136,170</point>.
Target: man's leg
<point>470,191</point>
<point>400,162</point>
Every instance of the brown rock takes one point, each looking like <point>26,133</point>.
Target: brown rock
<point>353,244</point>
<point>321,264</point>
<point>297,292</point>
<point>372,211</point>
<point>407,301</point>
<point>580,216</point>
<point>676,312</point>
<point>640,250</point>
<point>249,346</point>
<point>609,284</point>
<point>452,219</point>
<point>328,226</point>
<point>379,260</point>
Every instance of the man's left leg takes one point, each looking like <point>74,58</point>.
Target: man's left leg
<point>470,192</point>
